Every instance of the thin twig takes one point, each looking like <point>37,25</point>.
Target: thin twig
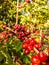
<point>11,3</point>
<point>19,6</point>
<point>40,34</point>
<point>36,50</point>
<point>17,12</point>
<point>10,30</point>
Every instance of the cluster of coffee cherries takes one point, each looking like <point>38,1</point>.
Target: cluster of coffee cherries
<point>30,44</point>
<point>39,59</point>
<point>4,35</point>
<point>10,33</point>
<point>21,32</point>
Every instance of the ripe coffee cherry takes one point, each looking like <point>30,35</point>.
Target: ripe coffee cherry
<point>22,39</point>
<point>27,33</point>
<point>38,45</point>
<point>26,51</point>
<point>32,41</point>
<point>28,36</point>
<point>30,47</point>
<point>35,64</point>
<point>17,27</point>
<point>10,33</point>
<point>22,28</point>
<point>42,57</point>
<point>4,33</point>
<point>28,1</point>
<point>21,33</point>
<point>19,36</point>
<point>35,59</point>
<point>25,46</point>
<point>27,41</point>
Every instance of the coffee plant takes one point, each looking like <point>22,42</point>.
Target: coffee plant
<point>24,32</point>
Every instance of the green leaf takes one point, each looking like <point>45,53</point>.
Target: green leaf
<point>18,46</point>
<point>1,57</point>
<point>26,60</point>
